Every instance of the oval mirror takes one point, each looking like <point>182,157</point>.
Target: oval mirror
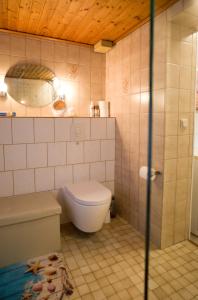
<point>31,84</point>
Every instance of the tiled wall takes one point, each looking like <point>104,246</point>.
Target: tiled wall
<point>40,154</point>
<point>174,99</point>
<point>127,69</point>
<point>82,69</point>
<point>180,104</point>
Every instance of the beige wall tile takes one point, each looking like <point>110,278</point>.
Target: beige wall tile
<point>171,147</point>
<point>179,231</point>
<point>186,54</point>
<point>159,75</point>
<point>33,48</point>
<point>158,124</point>
<point>172,100</point>
<point>171,124</point>
<point>182,190</point>
<point>18,46</point>
<point>182,168</point>
<point>5,63</point>
<point>173,51</point>
<point>144,80</point>
<point>185,77</point>
<point>5,43</point>
<point>170,170</point>
<point>159,100</point>
<point>184,146</point>
<point>173,75</point>
<point>173,31</point>
<point>184,100</point>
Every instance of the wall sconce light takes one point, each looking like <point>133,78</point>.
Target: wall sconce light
<point>61,92</point>
<point>59,87</point>
<point>3,89</point>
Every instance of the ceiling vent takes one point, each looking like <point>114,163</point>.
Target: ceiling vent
<point>103,46</point>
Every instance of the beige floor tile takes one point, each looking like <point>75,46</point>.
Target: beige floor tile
<point>110,265</point>
<point>124,295</point>
<point>88,297</point>
<point>83,289</point>
<point>79,280</point>
<point>89,277</point>
<point>114,297</point>
<point>99,295</point>
<point>94,286</point>
<point>108,290</point>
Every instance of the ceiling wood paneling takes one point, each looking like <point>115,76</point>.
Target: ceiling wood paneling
<point>84,21</point>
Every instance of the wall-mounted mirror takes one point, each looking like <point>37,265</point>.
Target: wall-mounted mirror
<point>31,84</point>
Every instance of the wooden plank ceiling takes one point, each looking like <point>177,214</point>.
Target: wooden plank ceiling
<point>84,21</point>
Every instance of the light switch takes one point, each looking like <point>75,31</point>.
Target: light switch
<point>183,123</point>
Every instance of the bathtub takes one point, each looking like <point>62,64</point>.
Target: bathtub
<point>29,226</point>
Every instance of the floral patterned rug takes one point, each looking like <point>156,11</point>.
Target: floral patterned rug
<point>40,278</point>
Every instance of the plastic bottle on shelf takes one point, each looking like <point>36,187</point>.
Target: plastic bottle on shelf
<point>92,109</point>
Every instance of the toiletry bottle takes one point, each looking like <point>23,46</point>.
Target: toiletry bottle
<point>92,110</point>
<point>97,111</point>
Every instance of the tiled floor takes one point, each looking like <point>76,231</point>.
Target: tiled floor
<point>110,265</point>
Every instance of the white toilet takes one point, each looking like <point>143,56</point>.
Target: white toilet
<point>87,204</point>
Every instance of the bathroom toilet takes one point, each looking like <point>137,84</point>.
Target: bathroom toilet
<point>87,204</point>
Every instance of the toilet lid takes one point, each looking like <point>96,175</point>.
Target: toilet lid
<point>88,193</point>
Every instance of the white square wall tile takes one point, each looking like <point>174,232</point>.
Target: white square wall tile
<point>36,155</point>
<point>6,184</point>
<point>56,154</point>
<point>81,172</point>
<point>63,175</point>
<point>92,151</point>
<point>98,128</point>
<point>44,130</point>
<point>108,150</point>
<point>15,157</point>
<point>110,168</point>
<point>97,171</point>
<point>74,152</point>
<point>63,129</point>
<point>22,130</point>
<point>80,129</point>
<point>44,179</point>
<point>1,158</point>
<point>6,131</point>
<point>24,182</point>
<point>110,128</point>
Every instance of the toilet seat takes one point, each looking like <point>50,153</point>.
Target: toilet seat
<point>89,193</point>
